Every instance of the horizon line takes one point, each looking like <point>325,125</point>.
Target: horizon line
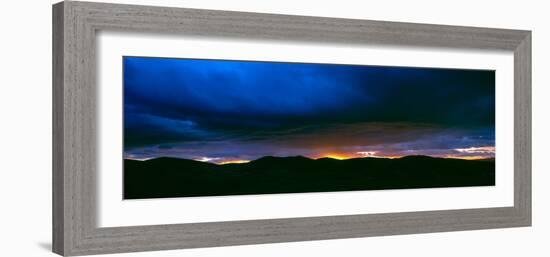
<point>466,158</point>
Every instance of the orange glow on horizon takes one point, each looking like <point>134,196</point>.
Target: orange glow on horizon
<point>345,156</point>
<point>233,161</point>
<point>338,156</point>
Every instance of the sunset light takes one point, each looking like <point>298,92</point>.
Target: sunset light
<point>345,156</point>
<point>338,156</point>
<point>233,161</point>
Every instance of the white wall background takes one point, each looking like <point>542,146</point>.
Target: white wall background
<point>25,130</point>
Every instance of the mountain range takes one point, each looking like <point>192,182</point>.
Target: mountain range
<point>172,177</point>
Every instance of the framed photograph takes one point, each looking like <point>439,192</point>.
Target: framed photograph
<point>183,128</point>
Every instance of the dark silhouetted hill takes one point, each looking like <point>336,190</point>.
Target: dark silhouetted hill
<point>172,177</point>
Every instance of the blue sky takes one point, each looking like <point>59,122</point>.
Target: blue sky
<point>223,111</point>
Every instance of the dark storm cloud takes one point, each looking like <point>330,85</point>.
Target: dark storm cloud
<point>180,102</point>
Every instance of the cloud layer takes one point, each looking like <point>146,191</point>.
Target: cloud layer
<point>239,110</point>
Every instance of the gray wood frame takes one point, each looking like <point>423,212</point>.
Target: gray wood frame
<point>74,129</point>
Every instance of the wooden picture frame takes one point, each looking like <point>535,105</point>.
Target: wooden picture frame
<point>75,25</point>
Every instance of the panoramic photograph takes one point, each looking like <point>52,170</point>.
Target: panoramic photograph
<point>199,127</point>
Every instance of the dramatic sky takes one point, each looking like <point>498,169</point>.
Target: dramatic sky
<point>231,111</point>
